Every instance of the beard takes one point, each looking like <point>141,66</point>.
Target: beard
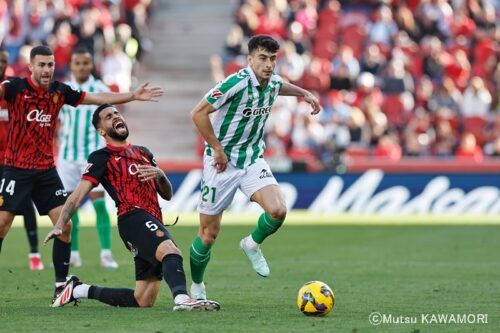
<point>118,136</point>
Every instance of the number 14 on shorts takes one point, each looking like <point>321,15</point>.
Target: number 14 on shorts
<point>10,186</point>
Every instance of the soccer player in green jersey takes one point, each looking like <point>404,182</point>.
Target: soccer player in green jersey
<point>234,137</point>
<point>78,139</point>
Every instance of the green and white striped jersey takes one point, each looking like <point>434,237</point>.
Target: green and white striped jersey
<point>242,108</point>
<point>77,136</point>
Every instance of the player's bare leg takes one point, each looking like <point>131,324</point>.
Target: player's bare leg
<point>6,219</point>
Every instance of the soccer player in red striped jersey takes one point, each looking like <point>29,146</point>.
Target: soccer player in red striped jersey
<point>130,176</point>
<point>34,104</point>
<point>35,260</point>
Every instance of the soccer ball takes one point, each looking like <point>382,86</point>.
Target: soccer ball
<point>315,298</point>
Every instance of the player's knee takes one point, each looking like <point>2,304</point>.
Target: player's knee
<point>144,302</point>
<point>278,213</point>
<point>166,248</point>
<point>209,235</point>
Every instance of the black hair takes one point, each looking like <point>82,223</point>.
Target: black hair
<point>81,49</point>
<point>265,42</point>
<point>95,117</point>
<point>40,50</point>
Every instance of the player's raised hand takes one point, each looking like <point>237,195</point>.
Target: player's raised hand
<point>145,93</point>
<point>313,101</point>
<point>54,233</point>
<point>148,172</point>
<point>220,160</point>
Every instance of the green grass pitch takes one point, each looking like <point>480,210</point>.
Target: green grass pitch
<point>392,269</point>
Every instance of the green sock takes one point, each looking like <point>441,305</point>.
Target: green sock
<point>199,255</point>
<point>75,228</point>
<point>103,223</point>
<point>265,227</point>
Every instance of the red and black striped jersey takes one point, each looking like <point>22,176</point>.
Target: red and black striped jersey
<point>4,128</point>
<point>33,113</point>
<point>116,169</point>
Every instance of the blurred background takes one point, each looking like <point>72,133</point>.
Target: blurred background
<point>406,86</point>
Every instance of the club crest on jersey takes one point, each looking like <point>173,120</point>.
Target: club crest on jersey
<point>55,98</point>
<point>40,117</point>
<point>1,201</point>
<point>248,112</point>
<point>216,93</point>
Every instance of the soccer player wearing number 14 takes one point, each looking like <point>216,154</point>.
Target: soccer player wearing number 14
<point>233,156</point>
<point>29,172</point>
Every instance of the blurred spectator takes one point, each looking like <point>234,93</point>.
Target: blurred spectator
<point>383,29</point>
<point>468,148</point>
<point>476,99</point>
<point>388,147</point>
<point>445,142</point>
<point>372,60</point>
<point>345,69</point>
<point>446,96</point>
<point>116,69</point>
<point>396,79</point>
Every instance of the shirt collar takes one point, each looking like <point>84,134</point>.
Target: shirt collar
<point>253,78</point>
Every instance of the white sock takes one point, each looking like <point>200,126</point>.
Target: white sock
<point>250,244</point>
<point>81,291</point>
<point>58,284</point>
<point>75,253</point>
<point>105,253</point>
<point>181,298</point>
<point>198,286</point>
<point>34,255</point>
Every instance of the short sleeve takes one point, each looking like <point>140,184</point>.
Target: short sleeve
<point>9,88</point>
<point>71,95</point>
<point>96,167</point>
<point>226,89</point>
<point>149,155</point>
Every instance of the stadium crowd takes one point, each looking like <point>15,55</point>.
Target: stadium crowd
<point>115,31</point>
<point>396,78</point>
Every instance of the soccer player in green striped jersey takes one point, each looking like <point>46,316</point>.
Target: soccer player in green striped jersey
<point>78,139</point>
<point>233,157</point>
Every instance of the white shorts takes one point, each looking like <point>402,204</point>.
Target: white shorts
<point>71,174</point>
<point>218,189</point>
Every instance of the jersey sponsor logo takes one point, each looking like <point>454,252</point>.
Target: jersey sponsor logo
<point>248,112</point>
<point>27,96</point>
<point>265,174</point>
<point>5,81</point>
<point>216,93</point>
<point>117,158</point>
<point>39,117</point>
<point>133,169</point>
<point>61,192</point>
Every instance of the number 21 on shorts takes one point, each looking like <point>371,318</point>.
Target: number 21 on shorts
<point>10,186</point>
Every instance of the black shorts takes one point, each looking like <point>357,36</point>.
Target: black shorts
<point>18,186</point>
<point>141,233</point>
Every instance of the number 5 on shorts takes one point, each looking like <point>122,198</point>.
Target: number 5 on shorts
<point>151,226</point>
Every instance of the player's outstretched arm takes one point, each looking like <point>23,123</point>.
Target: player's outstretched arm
<point>162,184</point>
<point>201,119</point>
<point>142,93</point>
<point>289,89</point>
<point>71,205</point>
